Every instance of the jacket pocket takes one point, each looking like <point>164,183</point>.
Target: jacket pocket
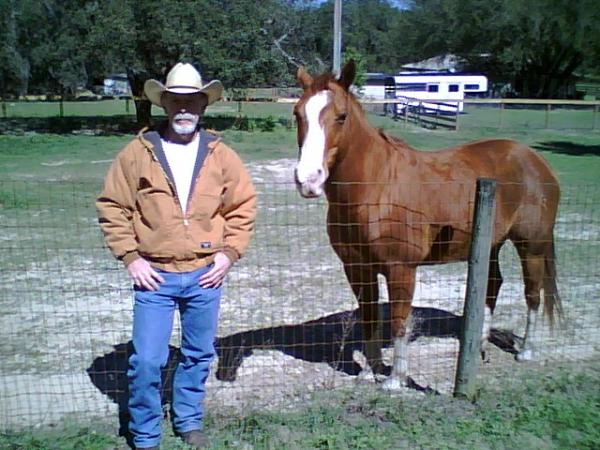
<point>205,206</point>
<point>155,206</point>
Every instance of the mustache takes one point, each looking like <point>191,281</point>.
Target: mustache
<point>186,116</point>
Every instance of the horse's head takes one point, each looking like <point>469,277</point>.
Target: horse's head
<point>321,114</point>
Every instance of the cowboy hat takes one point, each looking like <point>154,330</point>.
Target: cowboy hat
<point>183,78</point>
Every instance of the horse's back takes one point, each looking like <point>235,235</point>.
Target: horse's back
<point>504,160</point>
<point>527,193</point>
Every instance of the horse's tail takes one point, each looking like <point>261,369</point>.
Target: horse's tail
<point>552,301</point>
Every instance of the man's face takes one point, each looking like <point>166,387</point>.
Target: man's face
<point>184,110</point>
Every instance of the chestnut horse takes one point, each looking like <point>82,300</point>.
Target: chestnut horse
<point>392,208</point>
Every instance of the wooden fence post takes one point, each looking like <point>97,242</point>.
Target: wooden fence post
<point>456,118</point>
<point>477,278</point>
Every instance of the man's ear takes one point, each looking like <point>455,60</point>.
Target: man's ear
<point>348,73</point>
<point>304,78</point>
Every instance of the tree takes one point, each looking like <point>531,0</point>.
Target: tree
<point>14,76</point>
<point>368,26</point>
<point>536,45</point>
<point>361,65</point>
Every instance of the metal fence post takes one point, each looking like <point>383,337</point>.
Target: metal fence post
<point>477,278</point>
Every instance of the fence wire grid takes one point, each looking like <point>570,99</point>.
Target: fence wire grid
<point>288,323</point>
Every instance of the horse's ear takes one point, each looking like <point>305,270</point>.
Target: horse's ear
<point>304,78</point>
<point>348,73</point>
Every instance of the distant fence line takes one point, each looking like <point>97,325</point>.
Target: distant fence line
<point>425,113</point>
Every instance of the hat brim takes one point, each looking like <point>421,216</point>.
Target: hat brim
<point>154,89</point>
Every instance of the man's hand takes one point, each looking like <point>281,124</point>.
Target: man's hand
<point>215,276</point>
<point>143,275</point>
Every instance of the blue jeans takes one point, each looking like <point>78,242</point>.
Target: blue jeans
<point>152,326</point>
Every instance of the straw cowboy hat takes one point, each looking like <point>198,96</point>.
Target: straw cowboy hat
<point>183,78</point>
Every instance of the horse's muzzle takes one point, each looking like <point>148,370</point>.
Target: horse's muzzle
<point>308,189</point>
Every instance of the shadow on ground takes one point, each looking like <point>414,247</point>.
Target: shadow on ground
<point>569,148</point>
<point>331,339</point>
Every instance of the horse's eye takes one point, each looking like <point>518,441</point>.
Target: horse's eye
<point>341,118</point>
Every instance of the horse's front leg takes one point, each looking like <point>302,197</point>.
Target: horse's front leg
<point>401,287</point>
<point>363,280</point>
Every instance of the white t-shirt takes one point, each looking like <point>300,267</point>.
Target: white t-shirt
<point>181,159</point>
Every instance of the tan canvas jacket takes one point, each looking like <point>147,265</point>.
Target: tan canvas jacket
<point>140,214</point>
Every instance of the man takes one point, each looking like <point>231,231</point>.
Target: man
<point>178,208</point>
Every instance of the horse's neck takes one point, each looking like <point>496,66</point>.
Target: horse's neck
<point>368,157</point>
<point>362,152</point>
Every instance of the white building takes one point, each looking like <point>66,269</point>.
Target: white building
<point>117,85</point>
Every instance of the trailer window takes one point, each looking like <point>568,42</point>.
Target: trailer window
<point>471,87</point>
<point>453,88</point>
<point>375,82</point>
<point>411,86</point>
<point>433,88</point>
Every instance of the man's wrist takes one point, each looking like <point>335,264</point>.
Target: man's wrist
<point>130,257</point>
<point>231,254</point>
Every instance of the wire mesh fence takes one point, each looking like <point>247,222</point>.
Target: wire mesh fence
<point>288,322</point>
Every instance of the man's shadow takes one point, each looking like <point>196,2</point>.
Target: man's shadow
<point>331,339</point>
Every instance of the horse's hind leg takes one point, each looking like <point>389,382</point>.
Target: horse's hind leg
<point>363,280</point>
<point>493,288</point>
<point>533,263</point>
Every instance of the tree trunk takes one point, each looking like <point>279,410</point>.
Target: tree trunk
<point>143,107</point>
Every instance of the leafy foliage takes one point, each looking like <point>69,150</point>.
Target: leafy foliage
<point>58,46</point>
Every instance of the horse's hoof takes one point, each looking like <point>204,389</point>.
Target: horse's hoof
<point>394,384</point>
<point>525,355</point>
<point>485,356</point>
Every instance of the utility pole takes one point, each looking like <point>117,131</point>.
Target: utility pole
<point>337,37</point>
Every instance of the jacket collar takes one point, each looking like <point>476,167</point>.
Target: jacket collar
<point>152,140</point>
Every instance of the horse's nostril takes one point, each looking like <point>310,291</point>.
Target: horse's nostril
<point>315,177</point>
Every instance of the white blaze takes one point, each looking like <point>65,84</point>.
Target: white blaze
<point>310,171</point>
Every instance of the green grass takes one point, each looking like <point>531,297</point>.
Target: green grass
<point>68,438</point>
<point>52,109</point>
<point>119,107</point>
<point>572,153</point>
<point>535,408</point>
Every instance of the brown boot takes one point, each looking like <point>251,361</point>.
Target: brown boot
<point>195,438</point>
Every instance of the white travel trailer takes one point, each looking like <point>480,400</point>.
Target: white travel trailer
<point>451,87</point>
<point>378,86</point>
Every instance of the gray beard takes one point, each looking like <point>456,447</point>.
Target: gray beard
<point>185,129</point>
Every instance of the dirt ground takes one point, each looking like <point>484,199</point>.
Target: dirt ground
<point>287,324</point>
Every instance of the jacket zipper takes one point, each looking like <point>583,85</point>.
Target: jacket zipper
<point>185,218</point>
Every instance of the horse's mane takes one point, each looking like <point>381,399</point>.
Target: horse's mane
<point>395,141</point>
